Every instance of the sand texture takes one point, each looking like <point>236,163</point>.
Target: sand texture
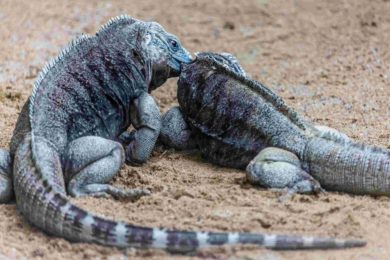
<point>328,59</point>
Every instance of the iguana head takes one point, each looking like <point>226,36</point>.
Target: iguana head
<point>165,53</point>
<point>226,59</point>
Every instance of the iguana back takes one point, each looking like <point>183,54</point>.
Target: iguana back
<point>237,122</point>
<point>232,117</point>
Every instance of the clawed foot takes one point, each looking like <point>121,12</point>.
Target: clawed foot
<point>106,190</point>
<point>302,187</point>
<point>130,194</point>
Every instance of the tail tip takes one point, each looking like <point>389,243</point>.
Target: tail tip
<point>354,243</point>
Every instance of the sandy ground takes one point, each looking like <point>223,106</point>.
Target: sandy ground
<point>328,59</point>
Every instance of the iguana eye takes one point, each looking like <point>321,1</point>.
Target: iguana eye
<point>174,44</point>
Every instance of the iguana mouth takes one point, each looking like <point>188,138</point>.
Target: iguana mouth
<point>175,67</point>
<point>183,56</point>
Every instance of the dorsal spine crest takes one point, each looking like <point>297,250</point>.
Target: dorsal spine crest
<point>71,46</point>
<point>114,21</point>
<point>265,92</point>
<point>51,64</point>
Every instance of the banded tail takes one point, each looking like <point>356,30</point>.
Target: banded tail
<point>45,205</point>
<point>348,166</point>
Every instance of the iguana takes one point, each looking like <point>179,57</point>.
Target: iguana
<point>65,140</point>
<point>238,122</point>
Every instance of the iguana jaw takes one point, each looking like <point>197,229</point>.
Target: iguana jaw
<point>178,59</point>
<point>172,68</point>
<point>175,68</point>
<point>161,73</point>
<point>183,56</point>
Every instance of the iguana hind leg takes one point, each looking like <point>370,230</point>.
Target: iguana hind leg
<point>175,132</point>
<point>6,190</point>
<point>90,163</point>
<point>277,168</point>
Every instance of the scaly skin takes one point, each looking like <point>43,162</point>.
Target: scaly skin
<point>238,122</point>
<point>65,140</point>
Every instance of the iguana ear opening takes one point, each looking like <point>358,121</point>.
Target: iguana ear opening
<point>147,39</point>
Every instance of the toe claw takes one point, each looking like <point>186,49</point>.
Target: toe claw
<point>287,194</point>
<point>132,194</point>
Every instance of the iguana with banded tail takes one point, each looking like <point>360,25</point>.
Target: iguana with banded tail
<point>66,140</point>
<point>238,122</point>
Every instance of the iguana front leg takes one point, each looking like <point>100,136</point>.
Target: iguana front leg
<point>6,190</point>
<point>277,168</point>
<point>146,119</point>
<point>175,132</point>
<point>90,163</point>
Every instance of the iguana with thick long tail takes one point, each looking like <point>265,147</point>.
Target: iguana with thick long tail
<point>238,122</point>
<point>66,140</point>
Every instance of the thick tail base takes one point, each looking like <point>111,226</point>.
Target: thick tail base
<point>349,167</point>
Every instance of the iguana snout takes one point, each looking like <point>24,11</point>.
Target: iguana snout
<point>165,53</point>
